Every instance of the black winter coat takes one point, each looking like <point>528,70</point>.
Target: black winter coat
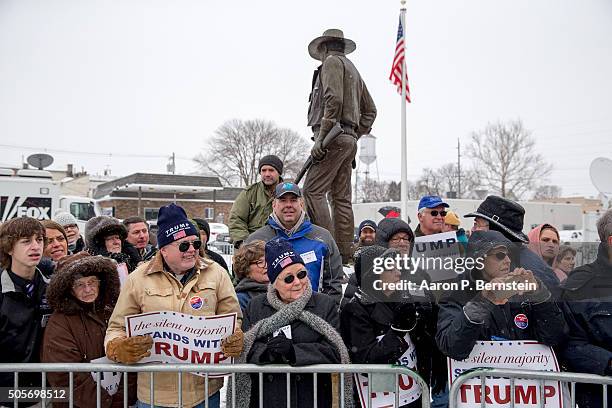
<point>457,335</point>
<point>22,321</point>
<point>362,324</point>
<point>310,348</point>
<point>587,295</point>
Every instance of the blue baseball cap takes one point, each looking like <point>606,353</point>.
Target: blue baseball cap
<point>432,202</point>
<point>285,188</point>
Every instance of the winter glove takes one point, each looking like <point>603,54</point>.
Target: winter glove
<point>404,317</point>
<point>232,345</point>
<point>129,350</point>
<point>279,349</point>
<point>317,151</point>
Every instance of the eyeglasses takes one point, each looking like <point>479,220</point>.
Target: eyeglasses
<point>397,240</point>
<point>500,255</point>
<point>94,284</point>
<point>72,226</point>
<point>300,275</point>
<point>434,213</point>
<point>260,263</point>
<point>184,246</point>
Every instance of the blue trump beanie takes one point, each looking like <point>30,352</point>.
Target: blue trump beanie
<point>173,225</point>
<point>279,255</point>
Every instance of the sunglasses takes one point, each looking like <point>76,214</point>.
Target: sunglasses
<point>300,275</point>
<point>500,255</point>
<point>184,246</point>
<point>434,213</point>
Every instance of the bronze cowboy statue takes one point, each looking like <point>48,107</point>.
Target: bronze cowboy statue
<point>341,110</point>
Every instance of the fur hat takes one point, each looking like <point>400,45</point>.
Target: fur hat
<point>97,228</point>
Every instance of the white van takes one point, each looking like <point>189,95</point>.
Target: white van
<point>33,193</point>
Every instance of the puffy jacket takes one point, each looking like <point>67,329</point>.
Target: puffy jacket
<point>151,288</point>
<point>310,348</point>
<point>318,250</point>
<point>22,322</point>
<point>75,332</point>
<point>587,300</point>
<point>250,211</point>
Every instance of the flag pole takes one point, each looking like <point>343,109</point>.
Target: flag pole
<point>404,144</point>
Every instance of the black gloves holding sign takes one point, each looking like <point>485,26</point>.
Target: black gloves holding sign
<point>279,350</point>
<point>404,317</point>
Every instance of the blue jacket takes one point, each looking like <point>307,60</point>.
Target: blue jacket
<point>318,250</point>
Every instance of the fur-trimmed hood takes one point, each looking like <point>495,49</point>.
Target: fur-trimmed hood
<point>77,266</point>
<point>99,227</point>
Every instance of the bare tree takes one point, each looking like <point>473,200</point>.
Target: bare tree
<point>547,192</point>
<point>234,150</point>
<point>373,191</point>
<point>504,156</point>
<point>394,190</point>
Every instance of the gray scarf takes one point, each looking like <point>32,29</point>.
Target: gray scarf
<point>287,313</point>
<point>296,227</point>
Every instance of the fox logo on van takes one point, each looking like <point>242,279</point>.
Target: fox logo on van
<point>34,207</point>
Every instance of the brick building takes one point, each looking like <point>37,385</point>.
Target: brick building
<point>143,193</point>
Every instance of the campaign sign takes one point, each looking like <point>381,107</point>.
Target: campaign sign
<point>108,380</point>
<point>526,355</point>
<point>410,391</point>
<point>436,254</point>
<point>182,338</point>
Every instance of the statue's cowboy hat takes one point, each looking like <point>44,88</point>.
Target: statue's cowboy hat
<point>330,34</point>
<point>508,215</point>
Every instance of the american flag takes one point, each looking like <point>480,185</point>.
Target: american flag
<point>398,59</point>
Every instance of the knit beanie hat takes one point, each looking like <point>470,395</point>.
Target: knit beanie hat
<point>64,218</point>
<point>271,160</point>
<point>173,225</point>
<point>279,255</point>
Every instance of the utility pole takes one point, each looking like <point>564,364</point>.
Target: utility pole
<point>458,168</point>
<point>173,163</point>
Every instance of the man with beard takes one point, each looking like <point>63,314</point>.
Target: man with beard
<point>253,206</point>
<point>367,233</point>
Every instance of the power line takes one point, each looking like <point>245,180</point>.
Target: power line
<point>109,154</point>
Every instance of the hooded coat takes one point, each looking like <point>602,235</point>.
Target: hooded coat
<point>457,334</point>
<point>365,325</point>
<point>102,226</point>
<point>75,332</point>
<point>588,307</point>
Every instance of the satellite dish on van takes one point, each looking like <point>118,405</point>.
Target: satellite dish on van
<point>601,177</point>
<point>40,160</point>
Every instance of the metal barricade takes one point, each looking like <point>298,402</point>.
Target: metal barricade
<point>540,376</point>
<point>386,374</point>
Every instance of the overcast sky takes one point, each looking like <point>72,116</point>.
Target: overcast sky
<point>152,77</point>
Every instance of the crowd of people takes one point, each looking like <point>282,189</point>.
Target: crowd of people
<point>64,296</point>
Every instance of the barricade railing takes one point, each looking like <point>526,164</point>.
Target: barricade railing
<point>387,378</point>
<point>539,376</point>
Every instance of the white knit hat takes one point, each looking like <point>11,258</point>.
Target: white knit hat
<point>64,218</point>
